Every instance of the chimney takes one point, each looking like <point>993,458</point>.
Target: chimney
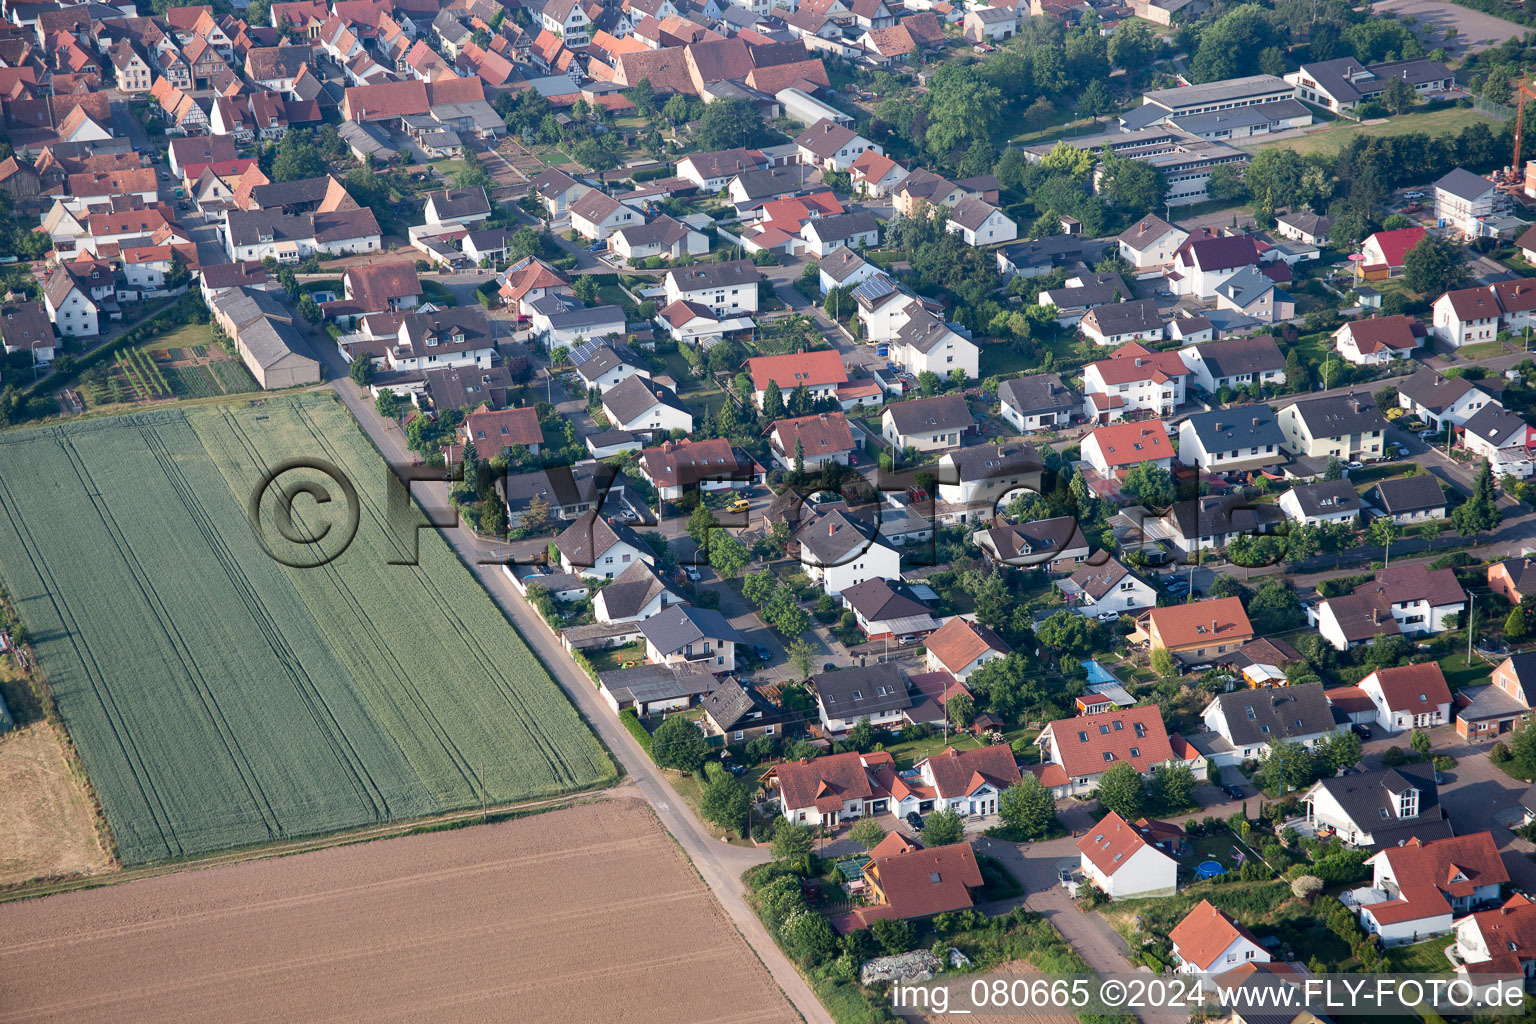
<point>1376,616</point>
<point>831,529</point>
<point>1220,425</point>
<point>1255,421</point>
<point>1213,625</point>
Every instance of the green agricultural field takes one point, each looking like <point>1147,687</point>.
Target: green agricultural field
<point>220,699</point>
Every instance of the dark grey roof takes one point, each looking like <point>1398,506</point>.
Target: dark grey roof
<point>1096,290</point>
<point>551,183</point>
<point>1126,317</point>
<point>1239,117</point>
<point>840,263</point>
<point>1254,717</point>
<point>1234,356</point>
<point>291,193</point>
<point>590,535</point>
<point>878,599</point>
<point>1433,390</point>
<point>941,412</point>
<point>730,274</point>
<point>587,317</point>
<point>1335,417</point>
<point>1036,542</point>
<point>249,227</point>
<point>585,483</point>
<point>924,331</point>
<point>1242,426</point>
<point>1214,515</point>
<point>1494,424</point>
<point>680,625</point>
<point>634,395</point>
<point>725,162</point>
<point>731,706</point>
<point>645,683</point>
<point>1098,580</point>
<point>604,358</point>
<point>852,693</point>
<point>632,590</point>
<point>1364,798</point>
<point>1037,393</point>
<point>837,536</point>
<point>1463,184</point>
<point>1053,251</point>
<point>1327,498</point>
<point>1308,223</point>
<point>989,461</point>
<point>971,212</point>
<point>604,438</point>
<point>844,225</point>
<point>1407,494</point>
<point>459,202</point>
<point>775,181</point>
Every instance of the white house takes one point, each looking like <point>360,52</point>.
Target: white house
<point>1234,363</point>
<point>567,20</point>
<point>1075,752</point>
<point>802,786</point>
<point>1325,501</point>
<point>832,146</point>
<point>984,473</point>
<point>728,288</point>
<point>1249,720</point>
<point>1498,941</point>
<point>712,172</point>
<point>1436,399</point>
<point>662,237</point>
<point>1469,316</point>
<point>1202,265</point>
<point>980,223</point>
<point>844,268</point>
<point>682,634</point>
<point>1150,242</point>
<point>1463,200</point>
<point>1120,323</point>
<point>1382,808</point>
<point>1107,589</point>
<point>69,303</point>
<point>1304,226</point>
<point>1113,449</point>
<point>1239,439</point>
<point>876,692</point>
<point>25,327</point>
<point>927,424</point>
<point>592,546</point>
<point>1037,402</point>
<point>839,550</point>
<point>1207,941</point>
<point>968,782</point>
<point>825,235</point>
<point>1407,598</point>
<point>605,367</point>
<point>635,594</point>
<point>1377,340</point>
<point>814,441</point>
<point>960,647</point>
<point>596,215</point>
<point>1409,696</point>
<point>927,343</point>
<point>1118,858</point>
<point>1134,377</point>
<point>640,404</point>
<point>1494,432</point>
<point>1418,888</point>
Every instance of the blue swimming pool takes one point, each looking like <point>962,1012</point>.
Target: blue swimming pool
<point>1097,673</point>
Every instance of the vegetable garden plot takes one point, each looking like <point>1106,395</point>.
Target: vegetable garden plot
<point>220,699</point>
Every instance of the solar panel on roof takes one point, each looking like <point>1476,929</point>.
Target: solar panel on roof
<point>874,288</point>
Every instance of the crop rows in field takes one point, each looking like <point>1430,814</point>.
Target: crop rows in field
<point>219,699</point>
<point>232,375</point>
<point>194,382</point>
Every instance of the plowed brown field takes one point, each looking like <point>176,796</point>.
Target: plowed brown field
<point>586,914</point>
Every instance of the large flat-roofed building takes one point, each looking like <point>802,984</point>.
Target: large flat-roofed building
<point>1185,159</point>
<point>1224,95</point>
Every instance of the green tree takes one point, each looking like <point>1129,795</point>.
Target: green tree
<point>1419,741</point>
<point>1064,631</point>
<point>178,276</point>
<point>1274,608</point>
<point>725,801</point>
<point>1334,470</point>
<point>1339,751</point>
<point>361,370</point>
<point>1163,663</point>
<point>793,842</point>
<point>1287,768</point>
<point>809,938</point>
<point>1149,485</point>
<point>679,744</point>
<point>1095,100</point>
<point>802,656</point>
<point>1434,266</point>
<point>309,309</point>
<point>862,736</point>
<point>1173,787</point>
<point>943,828</point>
<point>1481,511</point>
<point>759,586</point>
<point>1515,629</point>
<point>1383,531</point>
<point>928,383</point>
<point>1399,95</point>
<point>773,402</point>
<point>1121,790</point>
<point>584,287</point>
<point>730,123</point>
<point>701,523</point>
<point>1132,46</point>
<point>643,96</point>
<point>727,554</point>
<point>1028,807</point>
<point>387,405</point>
<point>894,936</point>
<point>677,110</point>
<point>867,832</point>
<point>961,710</point>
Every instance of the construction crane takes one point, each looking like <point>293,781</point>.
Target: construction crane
<point>1522,90</point>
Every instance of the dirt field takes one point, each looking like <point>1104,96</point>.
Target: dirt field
<point>45,822</point>
<point>585,914</point>
<point>1475,31</point>
<point>960,992</point>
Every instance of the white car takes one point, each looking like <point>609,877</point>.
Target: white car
<point>1107,616</point>
<point>1413,195</point>
<point>1354,465</point>
<point>1428,435</point>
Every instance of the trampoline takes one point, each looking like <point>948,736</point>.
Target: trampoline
<point>1209,869</point>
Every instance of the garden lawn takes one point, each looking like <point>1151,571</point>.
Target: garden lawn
<point>909,753</point>
<point>220,699</point>
<point>1427,957</point>
<point>999,357</point>
<point>1459,672</point>
<point>1482,350</point>
<point>1333,137</point>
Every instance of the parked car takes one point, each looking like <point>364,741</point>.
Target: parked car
<point>915,820</point>
<point>1177,585</point>
<point>1108,616</point>
<point>828,667</point>
<point>907,640</point>
<point>1235,792</point>
<point>1354,465</point>
<point>762,652</point>
<point>629,515</point>
<point>597,247</point>
<point>1428,435</point>
<point>693,573</point>
<point>1363,731</point>
<point>739,505</point>
<point>1413,195</point>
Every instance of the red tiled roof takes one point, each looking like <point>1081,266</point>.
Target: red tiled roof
<point>1394,245</point>
<point>1189,625</point>
<point>1350,699</point>
<point>1382,332</point>
<point>958,773</point>
<point>1473,303</point>
<point>808,368</point>
<point>920,883</point>
<point>1205,933</point>
<point>1130,444</point>
<point>802,783</point>
<point>493,431</point>
<point>1513,924</point>
<point>1080,744</point>
<point>1402,687</point>
<point>958,642</point>
<point>819,434</point>
<point>1111,843</point>
<point>1132,362</point>
<point>1427,873</point>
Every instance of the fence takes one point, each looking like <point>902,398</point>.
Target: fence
<point>1497,111</point>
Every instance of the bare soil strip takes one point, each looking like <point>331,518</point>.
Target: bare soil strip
<point>590,913</point>
<point>46,826</point>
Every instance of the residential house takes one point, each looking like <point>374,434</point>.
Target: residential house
<point>1037,402</point>
<point>960,647</point>
<point>377,288</point>
<point>1468,316</point>
<point>927,424</point>
<point>1057,545</point>
<point>1513,579</point>
<point>1251,293</point>
<point>1501,437</point>
<point>1211,521</point>
<point>443,337</point>
<point>635,594</point>
<point>557,191</point>
<point>1437,400</point>
<point>1349,428</point>
<point>820,373</point>
<point>1239,439</point>
<point>1377,341</point>
<point>74,295</point>
<point>980,223</point>
<point>677,467</point>
<point>1408,499</point>
<point>663,237</point>
<point>886,610</point>
<point>27,327</point>
<point>982,475</point>
<point>740,715</point>
<point>596,215</point>
<point>1080,293</point>
<point>593,546</point>
<point>462,206</point>
<point>1409,697</point>
<point>1407,598</point>
<point>839,550</point>
<point>1199,632</point>
<point>845,696</point>
<point>1134,377</point>
<point>1383,253</point>
<point>712,172</point>
<point>1463,200</point>
<point>1150,242</point>
<point>1208,941</point>
<point>844,268</point>
<point>1076,752</point>
<point>1497,943</point>
<point>990,24</point>
<point>529,280</point>
<point>875,175</point>
<point>1120,323</point>
<point>812,441</point>
<point>683,634</point>
<point>968,782</point>
<point>830,789</point>
<point>605,367</point>
<point>568,20</point>
<point>1383,808</point>
<point>1119,858</point>
<point>1497,707</point>
<point>728,288</point>
<point>641,405</point>
<point>1304,226</point>
<point>831,146</point>
<point>1202,264</point>
<point>1248,362</point>
<point>913,883</point>
<point>493,431</point>
<point>1107,589</point>
<point>1112,450</point>
<point>655,689</point>
<point>1344,83</point>
<point>926,343</point>
<point>1324,501</point>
